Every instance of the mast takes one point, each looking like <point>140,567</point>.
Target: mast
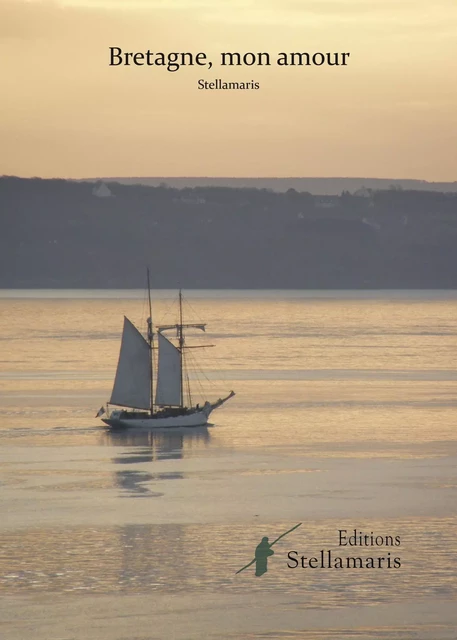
<point>181,345</point>
<point>150,339</point>
<point>171,362</point>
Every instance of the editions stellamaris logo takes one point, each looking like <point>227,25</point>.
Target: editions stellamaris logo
<point>327,559</point>
<point>263,552</point>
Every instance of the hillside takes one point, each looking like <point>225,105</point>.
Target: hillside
<point>65,234</point>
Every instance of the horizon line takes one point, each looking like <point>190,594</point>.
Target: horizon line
<point>226,177</point>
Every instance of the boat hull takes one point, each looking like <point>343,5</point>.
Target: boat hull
<point>196,419</point>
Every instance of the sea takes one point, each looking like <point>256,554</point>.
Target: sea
<point>343,422</point>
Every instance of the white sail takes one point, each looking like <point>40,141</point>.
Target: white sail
<point>168,390</point>
<point>132,385</point>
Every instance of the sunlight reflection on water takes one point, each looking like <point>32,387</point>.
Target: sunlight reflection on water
<point>175,558</point>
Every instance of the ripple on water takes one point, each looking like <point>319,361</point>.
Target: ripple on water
<point>181,558</point>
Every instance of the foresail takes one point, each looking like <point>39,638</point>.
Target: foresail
<point>168,389</point>
<point>132,385</point>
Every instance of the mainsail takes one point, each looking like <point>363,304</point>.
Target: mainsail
<point>168,390</point>
<point>132,385</point>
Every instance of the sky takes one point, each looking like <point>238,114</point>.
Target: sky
<point>390,113</point>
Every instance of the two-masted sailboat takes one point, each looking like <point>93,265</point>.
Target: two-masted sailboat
<point>142,405</point>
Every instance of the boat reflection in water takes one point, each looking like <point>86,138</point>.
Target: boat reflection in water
<point>169,444</point>
<point>150,446</point>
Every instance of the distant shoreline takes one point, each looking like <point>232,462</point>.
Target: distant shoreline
<point>305,294</point>
<point>317,186</point>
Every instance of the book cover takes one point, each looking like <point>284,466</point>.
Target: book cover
<point>267,192</point>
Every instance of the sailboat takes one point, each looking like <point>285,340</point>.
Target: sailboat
<point>142,406</point>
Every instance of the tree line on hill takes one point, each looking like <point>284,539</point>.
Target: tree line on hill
<point>68,234</point>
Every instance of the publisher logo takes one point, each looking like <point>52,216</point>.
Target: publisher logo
<point>355,550</point>
<point>358,550</point>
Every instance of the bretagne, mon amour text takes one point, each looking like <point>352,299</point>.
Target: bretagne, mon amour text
<point>174,61</point>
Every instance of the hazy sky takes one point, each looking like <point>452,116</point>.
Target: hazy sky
<point>392,112</point>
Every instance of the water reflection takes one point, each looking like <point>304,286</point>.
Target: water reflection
<point>142,558</point>
<point>149,447</point>
<point>155,445</point>
<point>132,483</point>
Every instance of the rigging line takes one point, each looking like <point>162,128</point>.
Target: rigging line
<point>191,364</point>
<point>198,369</point>
<point>197,379</point>
<point>194,312</point>
<point>168,312</point>
<point>215,359</point>
<point>218,362</point>
<point>211,383</point>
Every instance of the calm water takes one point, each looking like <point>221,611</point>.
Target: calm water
<point>344,418</point>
